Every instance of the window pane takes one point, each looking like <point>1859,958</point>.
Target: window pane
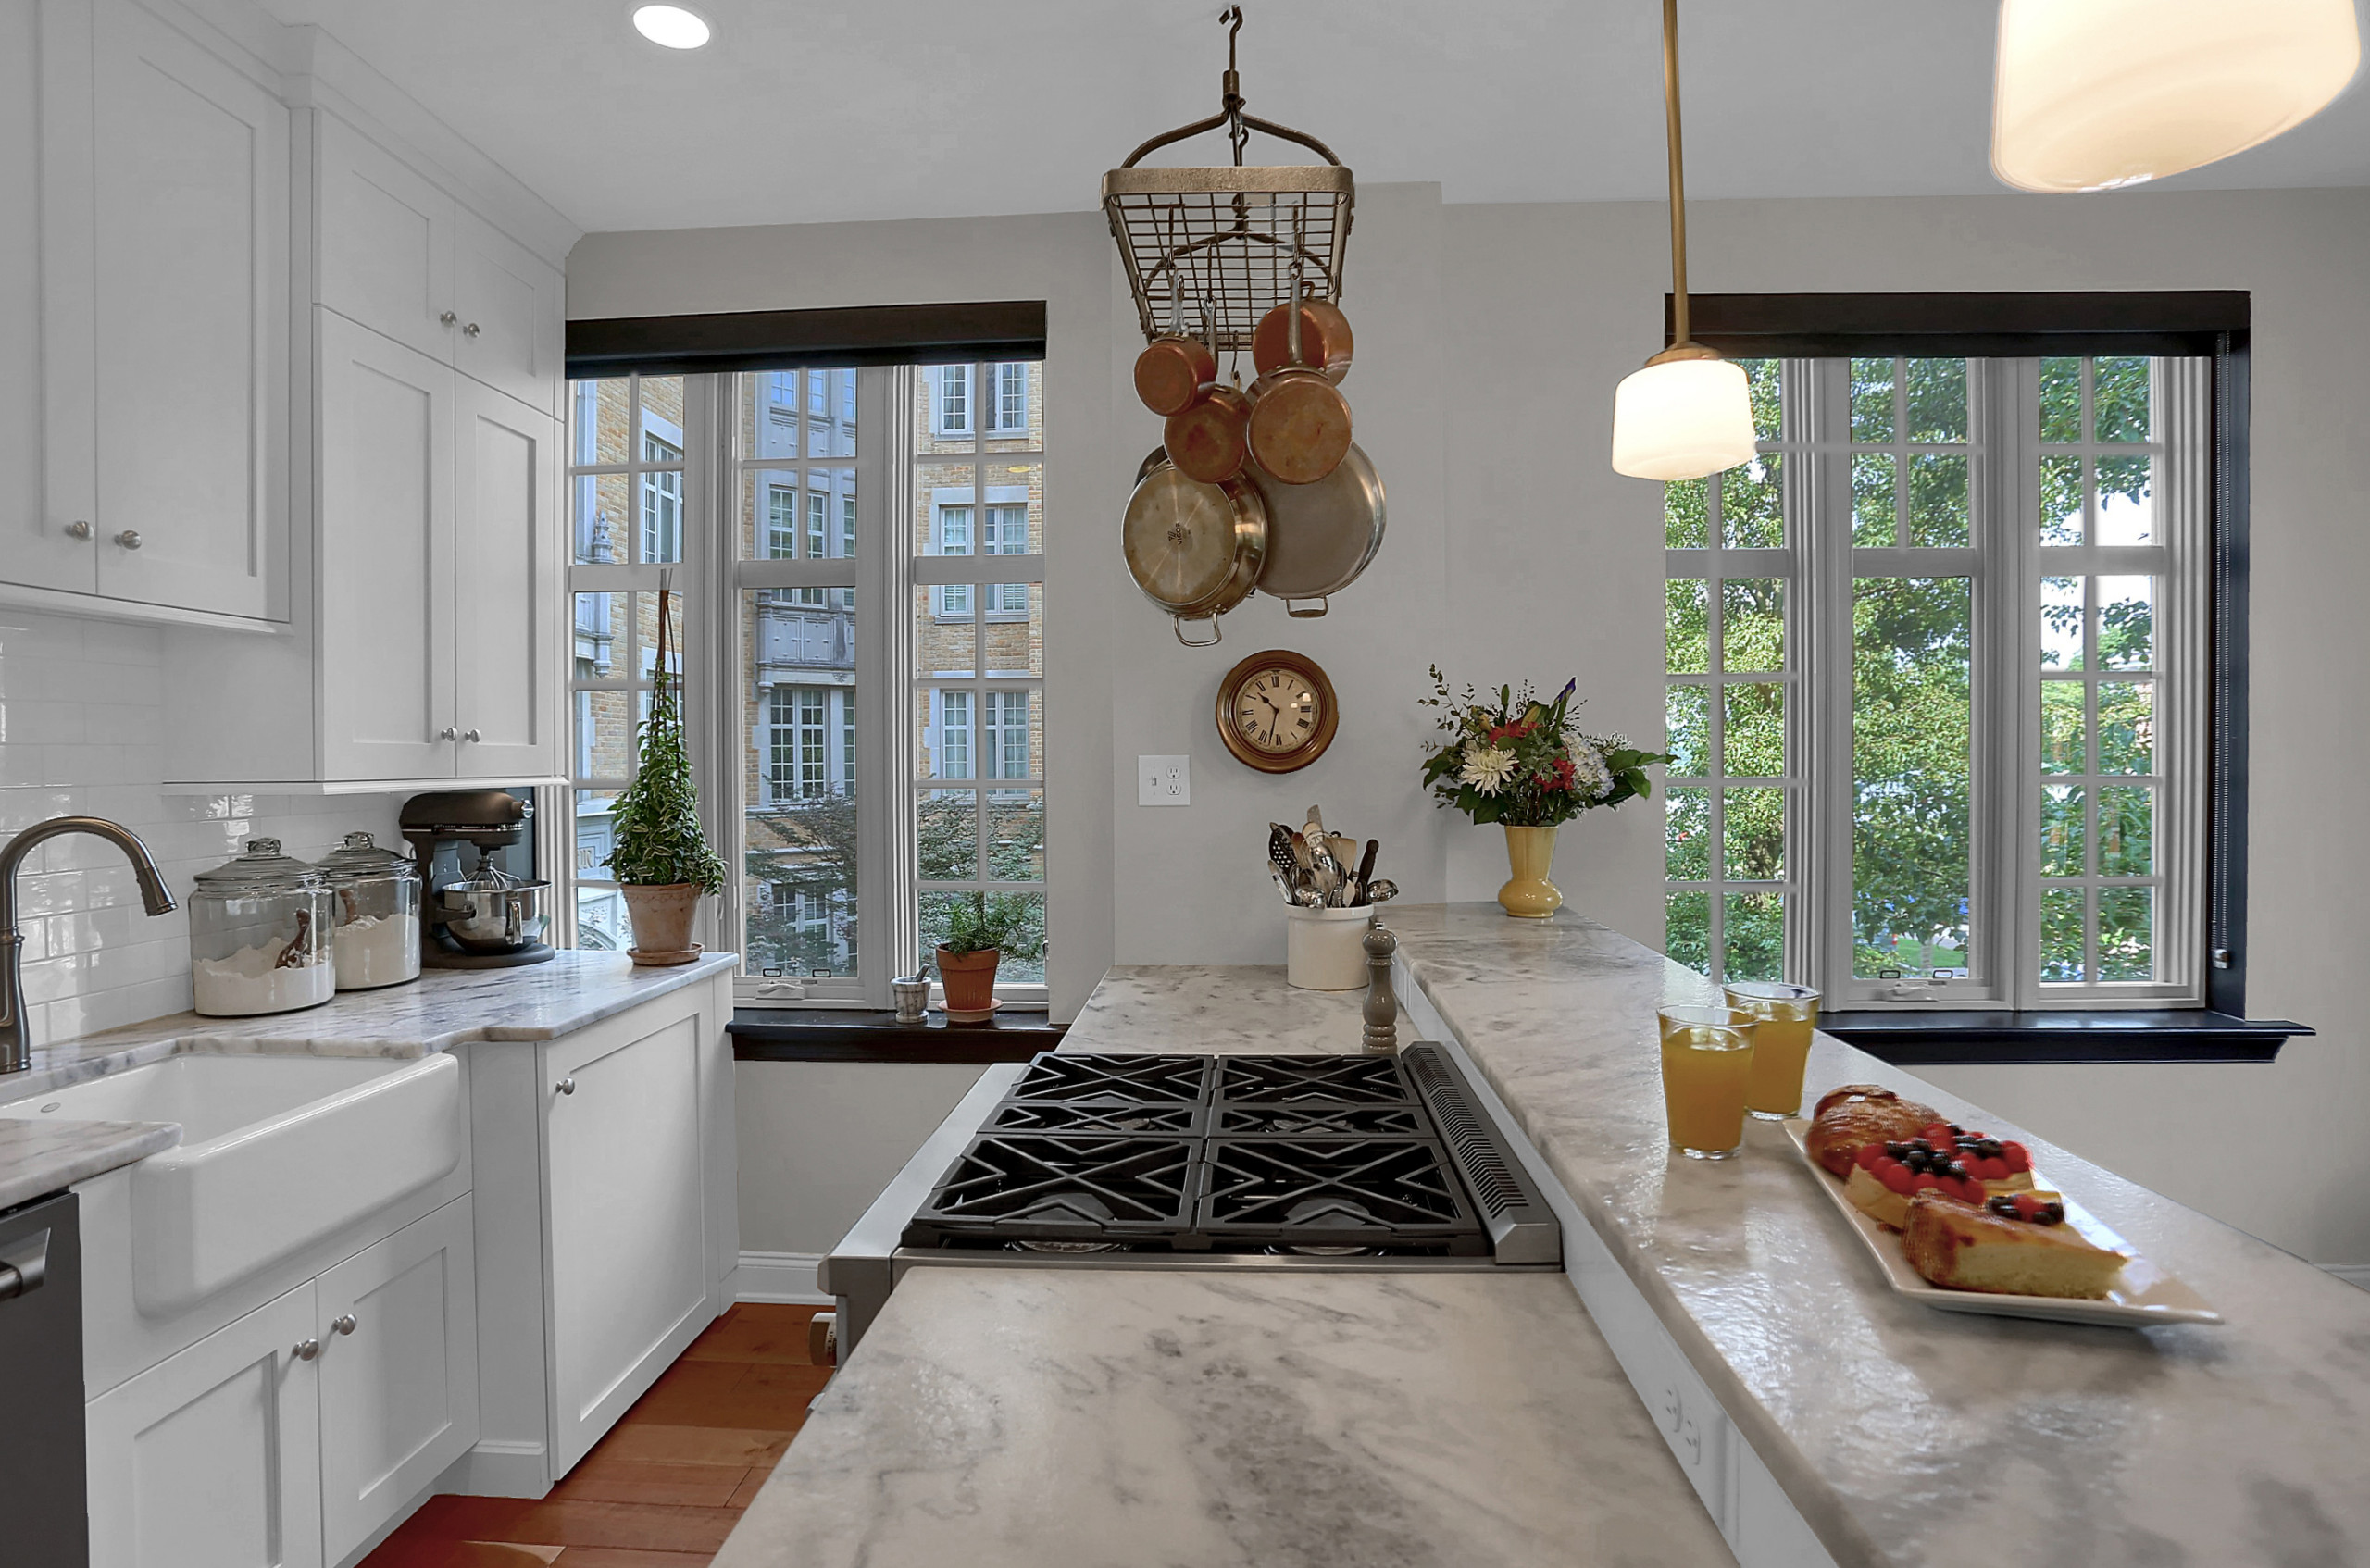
<point>2126,501</point>
<point>662,418</point>
<point>1753,835</point>
<point>1016,835</point>
<point>947,833</point>
<point>1754,729</point>
<point>1875,509</point>
<point>1015,522</point>
<point>604,735</point>
<point>1936,399</point>
<point>949,748</point>
<point>659,506</point>
<point>2062,748</point>
<point>1007,734</point>
<point>946,635</point>
<point>1752,505</point>
<point>2061,499</point>
<point>1911,732</point>
<point>1754,936</point>
<point>1685,514</point>
<point>2126,725</point>
<point>1023,961</point>
<point>601,518</point>
<point>1872,400</point>
<point>800,801</point>
<point>2062,911</point>
<point>1937,499</point>
<point>1687,928</point>
<point>2126,623</point>
<point>2061,622</point>
<point>1752,624</point>
<point>1687,835</point>
<point>2062,853</point>
<point>598,420</point>
<point>1766,384</point>
<point>2126,830</point>
<point>604,636</point>
<point>2061,401</point>
<point>830,413</point>
<point>1016,629</point>
<point>1686,635</point>
<point>1686,719</point>
<point>2126,933</point>
<point>2119,397</point>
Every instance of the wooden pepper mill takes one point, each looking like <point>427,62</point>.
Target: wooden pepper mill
<point>1383,1006</point>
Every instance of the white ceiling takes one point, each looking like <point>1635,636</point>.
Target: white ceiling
<point>821,110</point>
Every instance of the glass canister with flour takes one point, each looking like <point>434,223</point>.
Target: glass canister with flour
<point>376,896</point>
<point>259,935</point>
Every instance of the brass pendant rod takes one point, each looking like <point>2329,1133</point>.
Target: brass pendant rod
<point>1677,176</point>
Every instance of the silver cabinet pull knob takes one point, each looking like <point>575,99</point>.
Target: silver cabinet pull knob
<point>343,1322</point>
<point>448,733</point>
<point>128,539</point>
<point>565,1086</point>
<point>448,318</point>
<point>470,330</point>
<point>306,1349</point>
<point>78,528</point>
<point>471,735</point>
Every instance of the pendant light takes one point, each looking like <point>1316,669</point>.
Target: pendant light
<point>1688,412</point>
<point>2090,95</point>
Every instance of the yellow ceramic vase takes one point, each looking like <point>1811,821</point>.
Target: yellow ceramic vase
<point>1528,895</point>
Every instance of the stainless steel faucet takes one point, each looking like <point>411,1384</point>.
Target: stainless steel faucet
<point>16,1042</point>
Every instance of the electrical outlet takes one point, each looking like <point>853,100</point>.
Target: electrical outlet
<point>1164,781</point>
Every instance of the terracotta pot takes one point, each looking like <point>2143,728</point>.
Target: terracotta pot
<point>1530,853</point>
<point>969,978</point>
<point>662,915</point>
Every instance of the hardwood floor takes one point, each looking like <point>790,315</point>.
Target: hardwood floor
<point>664,1487</point>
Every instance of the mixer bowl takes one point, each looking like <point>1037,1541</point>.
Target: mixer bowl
<point>494,919</point>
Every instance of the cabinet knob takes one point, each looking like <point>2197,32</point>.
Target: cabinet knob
<point>448,317</point>
<point>448,733</point>
<point>565,1086</point>
<point>344,1323</point>
<point>471,735</point>
<point>306,1349</point>
<point>128,539</point>
<point>470,330</point>
<point>78,528</point>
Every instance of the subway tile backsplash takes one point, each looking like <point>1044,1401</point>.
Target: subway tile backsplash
<point>80,735</point>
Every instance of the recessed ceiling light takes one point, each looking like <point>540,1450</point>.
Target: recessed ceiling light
<point>673,25</point>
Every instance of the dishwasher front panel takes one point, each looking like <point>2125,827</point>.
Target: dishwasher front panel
<point>43,1483</point>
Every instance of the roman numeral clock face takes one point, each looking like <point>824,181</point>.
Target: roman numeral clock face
<point>1276,712</point>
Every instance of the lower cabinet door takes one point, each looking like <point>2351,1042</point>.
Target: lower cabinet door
<point>210,1458</point>
<point>397,1325</point>
<point>623,1189</point>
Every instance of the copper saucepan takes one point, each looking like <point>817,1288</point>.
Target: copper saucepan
<point>1208,440</point>
<point>1299,429</point>
<point>1325,340</point>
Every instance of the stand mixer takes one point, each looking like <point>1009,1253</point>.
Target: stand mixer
<point>482,917</point>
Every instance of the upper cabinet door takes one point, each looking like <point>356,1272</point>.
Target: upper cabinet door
<point>507,586</point>
<point>50,544</point>
<point>513,317</point>
<point>385,247</point>
<point>189,216</point>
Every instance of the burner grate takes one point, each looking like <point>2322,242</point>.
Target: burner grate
<point>1062,1187</point>
<point>1394,1190</point>
<point>1056,1115</point>
<point>1343,1080</point>
<point>1313,1119</point>
<point>1131,1080</point>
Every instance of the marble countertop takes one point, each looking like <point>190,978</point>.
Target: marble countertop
<point>42,1157</point>
<point>1047,1418</point>
<point>1226,1009</point>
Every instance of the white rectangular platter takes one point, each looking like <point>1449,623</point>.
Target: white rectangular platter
<point>2144,1295</point>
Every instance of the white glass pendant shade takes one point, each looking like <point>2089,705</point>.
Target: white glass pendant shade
<point>2091,95</point>
<point>1681,420</point>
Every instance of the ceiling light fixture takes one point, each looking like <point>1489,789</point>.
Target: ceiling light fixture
<point>1688,413</point>
<point>2092,94</point>
<point>676,27</point>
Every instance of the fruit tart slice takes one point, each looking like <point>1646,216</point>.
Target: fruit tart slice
<point>1885,1176</point>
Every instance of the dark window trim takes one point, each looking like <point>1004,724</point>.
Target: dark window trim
<point>785,339</point>
<point>1911,1040</point>
<point>823,1034</point>
<point>2211,323</point>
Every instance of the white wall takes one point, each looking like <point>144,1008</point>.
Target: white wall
<point>1490,341</point>
<point>820,1139</point>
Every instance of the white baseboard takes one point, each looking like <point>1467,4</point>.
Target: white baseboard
<point>2352,1273</point>
<point>787,1277</point>
<point>500,1468</point>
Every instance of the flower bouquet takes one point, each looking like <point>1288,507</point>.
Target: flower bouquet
<point>1522,763</point>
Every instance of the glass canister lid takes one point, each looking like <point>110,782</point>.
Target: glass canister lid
<point>263,869</point>
<point>360,859</point>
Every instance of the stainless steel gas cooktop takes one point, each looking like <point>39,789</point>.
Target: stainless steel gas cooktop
<point>1203,1161</point>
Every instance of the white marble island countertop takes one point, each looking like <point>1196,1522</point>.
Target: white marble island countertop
<point>1078,1418</point>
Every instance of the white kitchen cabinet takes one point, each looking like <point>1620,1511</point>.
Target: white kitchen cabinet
<point>399,255</point>
<point>398,1368</point>
<point>164,224</point>
<point>213,1455</point>
<point>506,601</point>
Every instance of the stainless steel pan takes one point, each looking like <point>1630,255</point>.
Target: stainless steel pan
<point>1319,536</point>
<point>1194,549</point>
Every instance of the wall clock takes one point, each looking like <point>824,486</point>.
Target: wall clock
<point>1276,711</point>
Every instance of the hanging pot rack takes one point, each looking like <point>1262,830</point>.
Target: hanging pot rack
<point>1222,246</point>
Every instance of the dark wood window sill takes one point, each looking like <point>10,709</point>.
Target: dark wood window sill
<point>827,1034</point>
<point>1939,1038</point>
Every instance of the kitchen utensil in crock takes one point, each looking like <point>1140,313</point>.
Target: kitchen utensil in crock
<point>1195,548</point>
<point>1208,440</point>
<point>1325,338</point>
<point>1319,536</point>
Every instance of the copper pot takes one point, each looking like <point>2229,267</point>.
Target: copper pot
<point>1299,429</point>
<point>1325,340</point>
<point>1207,441</point>
<point>1171,372</point>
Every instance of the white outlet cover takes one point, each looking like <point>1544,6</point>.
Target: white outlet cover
<point>1164,781</point>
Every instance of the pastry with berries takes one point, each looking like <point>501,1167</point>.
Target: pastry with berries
<point>1847,1119</point>
<point>2001,1163</point>
<point>2013,1244</point>
<point>1885,1176</point>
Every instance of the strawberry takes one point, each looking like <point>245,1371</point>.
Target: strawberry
<point>1897,1176</point>
<point>1868,1156</point>
<point>2017,1159</point>
<point>2027,1205</point>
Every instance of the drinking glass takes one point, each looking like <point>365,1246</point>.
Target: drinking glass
<point>1705,1068</point>
<point>1780,1046</point>
<point>1722,1017</point>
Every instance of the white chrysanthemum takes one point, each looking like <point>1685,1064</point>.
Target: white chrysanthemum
<point>1592,780</point>
<point>1487,768</point>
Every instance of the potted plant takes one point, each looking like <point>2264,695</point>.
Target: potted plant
<point>978,936</point>
<point>660,853</point>
<point>1523,763</point>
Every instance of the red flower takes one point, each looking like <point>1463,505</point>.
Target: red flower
<point>1566,776</point>
<point>1514,731</point>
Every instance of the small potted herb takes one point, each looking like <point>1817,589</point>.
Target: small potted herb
<point>978,936</point>
<point>660,853</point>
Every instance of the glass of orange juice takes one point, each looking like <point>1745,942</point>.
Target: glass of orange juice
<point>1704,1069</point>
<point>1780,1046</point>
